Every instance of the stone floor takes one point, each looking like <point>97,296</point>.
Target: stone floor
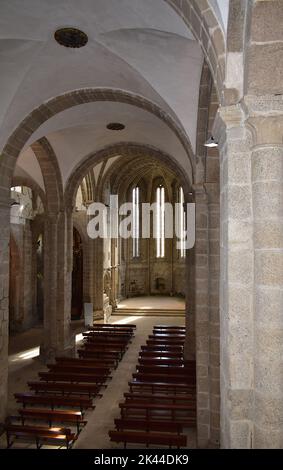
<point>156,302</point>
<point>24,364</point>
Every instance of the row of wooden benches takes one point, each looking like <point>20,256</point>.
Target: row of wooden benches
<point>161,399</point>
<point>68,383</point>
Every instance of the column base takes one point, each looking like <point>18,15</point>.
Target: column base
<point>48,353</point>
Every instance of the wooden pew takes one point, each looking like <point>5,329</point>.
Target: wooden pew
<point>127,335</point>
<point>53,401</point>
<point>123,337</point>
<point>67,367</point>
<point>99,353</point>
<point>110,363</point>
<point>169,370</point>
<point>161,398</point>
<point>105,340</point>
<point>114,325</point>
<point>125,331</point>
<point>113,348</point>
<point>72,377</point>
<point>173,348</point>
<point>166,338</point>
<point>148,425</point>
<point>39,434</point>
<point>161,360</point>
<point>165,342</point>
<point>53,416</point>
<point>137,437</point>
<point>184,412</point>
<point>168,332</point>
<point>169,327</point>
<point>165,378</point>
<point>65,388</point>
<point>161,353</point>
<point>164,387</point>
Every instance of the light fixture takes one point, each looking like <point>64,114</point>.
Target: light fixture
<point>211,143</point>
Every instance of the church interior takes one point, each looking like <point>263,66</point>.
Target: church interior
<point>113,342</point>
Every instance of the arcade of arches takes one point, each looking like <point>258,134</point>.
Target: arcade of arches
<point>128,114</point>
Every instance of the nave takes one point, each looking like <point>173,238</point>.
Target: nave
<point>100,420</point>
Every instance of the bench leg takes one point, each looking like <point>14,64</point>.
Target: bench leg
<point>9,443</point>
<point>37,443</point>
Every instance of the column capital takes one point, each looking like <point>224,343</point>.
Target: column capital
<point>265,119</point>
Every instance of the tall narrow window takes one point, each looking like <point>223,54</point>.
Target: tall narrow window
<point>160,222</point>
<point>182,223</point>
<point>136,222</point>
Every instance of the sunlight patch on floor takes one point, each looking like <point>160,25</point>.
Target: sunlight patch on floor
<point>25,355</point>
<point>126,320</point>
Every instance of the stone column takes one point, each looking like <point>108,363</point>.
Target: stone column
<point>266,118</point>
<point>98,262</point>
<point>212,190</point>
<point>201,314</point>
<point>57,285</point>
<point>4,304</point>
<point>236,278</point>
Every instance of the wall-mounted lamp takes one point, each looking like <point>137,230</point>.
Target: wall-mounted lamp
<point>211,143</point>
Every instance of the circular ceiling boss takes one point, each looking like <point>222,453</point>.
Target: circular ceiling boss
<point>115,126</point>
<point>71,37</point>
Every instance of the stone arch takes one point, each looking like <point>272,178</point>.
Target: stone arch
<point>203,23</point>
<point>122,173</point>
<point>68,100</point>
<point>51,174</point>
<point>130,149</point>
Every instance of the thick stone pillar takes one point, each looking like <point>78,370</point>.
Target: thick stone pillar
<point>236,279</point>
<point>201,268</point>
<point>57,285</point>
<point>204,337</point>
<point>252,273</point>
<point>4,304</point>
<point>266,118</point>
<point>212,190</point>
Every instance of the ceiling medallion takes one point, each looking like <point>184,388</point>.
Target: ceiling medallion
<point>71,37</point>
<point>115,126</point>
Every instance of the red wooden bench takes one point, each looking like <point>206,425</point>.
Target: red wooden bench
<point>65,388</point>
<point>173,378</point>
<point>71,377</point>
<point>39,434</point>
<point>108,363</point>
<point>161,353</point>
<point>164,387</point>
<point>114,325</point>
<point>69,367</point>
<point>53,401</point>
<point>98,353</point>
<point>174,411</point>
<point>161,360</point>
<point>53,416</point>
<point>148,438</point>
<point>162,398</point>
